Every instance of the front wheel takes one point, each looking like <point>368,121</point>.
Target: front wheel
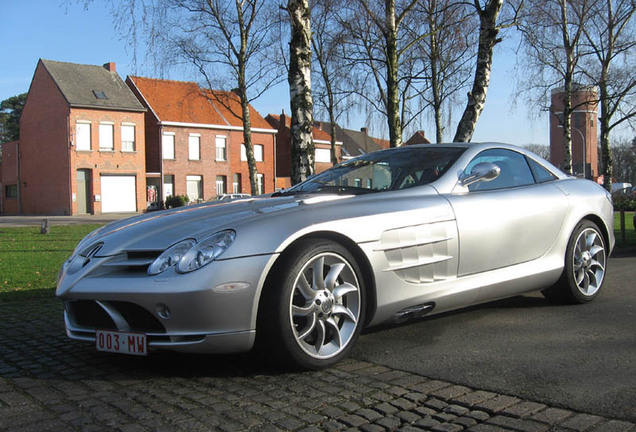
<point>313,306</point>
<point>585,264</point>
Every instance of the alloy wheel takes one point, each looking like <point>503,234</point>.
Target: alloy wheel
<point>325,306</point>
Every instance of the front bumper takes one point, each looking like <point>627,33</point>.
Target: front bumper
<point>210,310</point>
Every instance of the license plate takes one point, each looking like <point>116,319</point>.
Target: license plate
<point>121,342</point>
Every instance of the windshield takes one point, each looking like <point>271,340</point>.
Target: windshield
<point>386,170</point>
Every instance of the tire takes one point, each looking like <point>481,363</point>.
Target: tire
<point>313,306</point>
<point>584,271</point>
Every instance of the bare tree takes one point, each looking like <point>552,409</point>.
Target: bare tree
<point>447,49</point>
<point>624,160</point>
<point>299,77</point>
<point>552,31</point>
<point>230,36</point>
<point>227,42</point>
<point>611,35</point>
<point>380,46</point>
<point>538,149</point>
<point>489,28</point>
<point>332,94</point>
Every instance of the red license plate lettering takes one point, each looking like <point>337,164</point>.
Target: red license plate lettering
<point>121,342</point>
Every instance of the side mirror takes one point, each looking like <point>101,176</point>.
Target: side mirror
<point>484,171</point>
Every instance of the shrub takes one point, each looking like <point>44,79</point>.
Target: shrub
<point>176,201</point>
<point>625,203</point>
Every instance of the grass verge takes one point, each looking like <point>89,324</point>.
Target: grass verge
<point>30,261</point>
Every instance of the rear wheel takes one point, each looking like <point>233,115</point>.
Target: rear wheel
<point>313,308</point>
<point>584,271</point>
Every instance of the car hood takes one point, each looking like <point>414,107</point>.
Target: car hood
<point>263,225</point>
<point>159,230</point>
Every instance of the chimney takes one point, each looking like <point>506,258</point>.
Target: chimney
<point>283,120</point>
<point>364,130</point>
<point>110,66</point>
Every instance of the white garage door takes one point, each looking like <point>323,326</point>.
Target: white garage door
<point>119,194</point>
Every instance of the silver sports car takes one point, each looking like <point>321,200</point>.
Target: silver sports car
<point>388,236</point>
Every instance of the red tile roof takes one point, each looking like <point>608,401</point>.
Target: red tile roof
<point>187,102</point>
<point>318,134</point>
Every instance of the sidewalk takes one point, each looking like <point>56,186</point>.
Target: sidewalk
<point>20,221</point>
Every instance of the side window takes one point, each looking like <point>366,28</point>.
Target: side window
<point>541,175</point>
<point>514,170</point>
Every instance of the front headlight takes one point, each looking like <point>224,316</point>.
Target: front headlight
<point>206,251</point>
<point>170,257</point>
<point>188,255</point>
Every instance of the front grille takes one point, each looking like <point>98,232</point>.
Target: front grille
<point>138,318</point>
<point>89,314</point>
<point>132,261</point>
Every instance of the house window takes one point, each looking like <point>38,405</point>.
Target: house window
<point>168,186</point>
<point>11,191</point>
<point>194,147</point>
<point>323,155</point>
<point>83,136</point>
<point>127,138</point>
<point>221,185</point>
<point>221,154</point>
<point>258,153</point>
<point>260,180</point>
<point>194,187</point>
<point>106,136</point>
<point>167,144</point>
<point>236,184</point>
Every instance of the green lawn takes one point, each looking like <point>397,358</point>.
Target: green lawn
<point>30,261</point>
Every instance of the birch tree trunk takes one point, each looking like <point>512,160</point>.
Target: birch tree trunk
<point>302,122</point>
<point>392,88</point>
<point>570,64</point>
<point>435,84</point>
<point>612,38</point>
<point>488,38</point>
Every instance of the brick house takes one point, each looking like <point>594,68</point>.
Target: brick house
<point>322,144</point>
<point>194,140</point>
<point>81,147</point>
<point>355,143</point>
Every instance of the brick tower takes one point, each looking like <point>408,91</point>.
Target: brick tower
<point>584,130</point>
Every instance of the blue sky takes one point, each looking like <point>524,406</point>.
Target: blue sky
<point>65,31</point>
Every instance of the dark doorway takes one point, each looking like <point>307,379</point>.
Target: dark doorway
<point>83,191</point>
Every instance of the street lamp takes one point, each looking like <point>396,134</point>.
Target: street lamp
<point>583,147</point>
<point>584,151</point>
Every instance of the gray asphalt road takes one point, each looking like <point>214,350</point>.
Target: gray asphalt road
<point>576,357</point>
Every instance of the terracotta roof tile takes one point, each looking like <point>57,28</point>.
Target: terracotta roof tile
<point>187,102</point>
<point>318,133</point>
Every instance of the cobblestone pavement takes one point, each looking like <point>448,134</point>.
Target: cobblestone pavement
<point>49,383</point>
